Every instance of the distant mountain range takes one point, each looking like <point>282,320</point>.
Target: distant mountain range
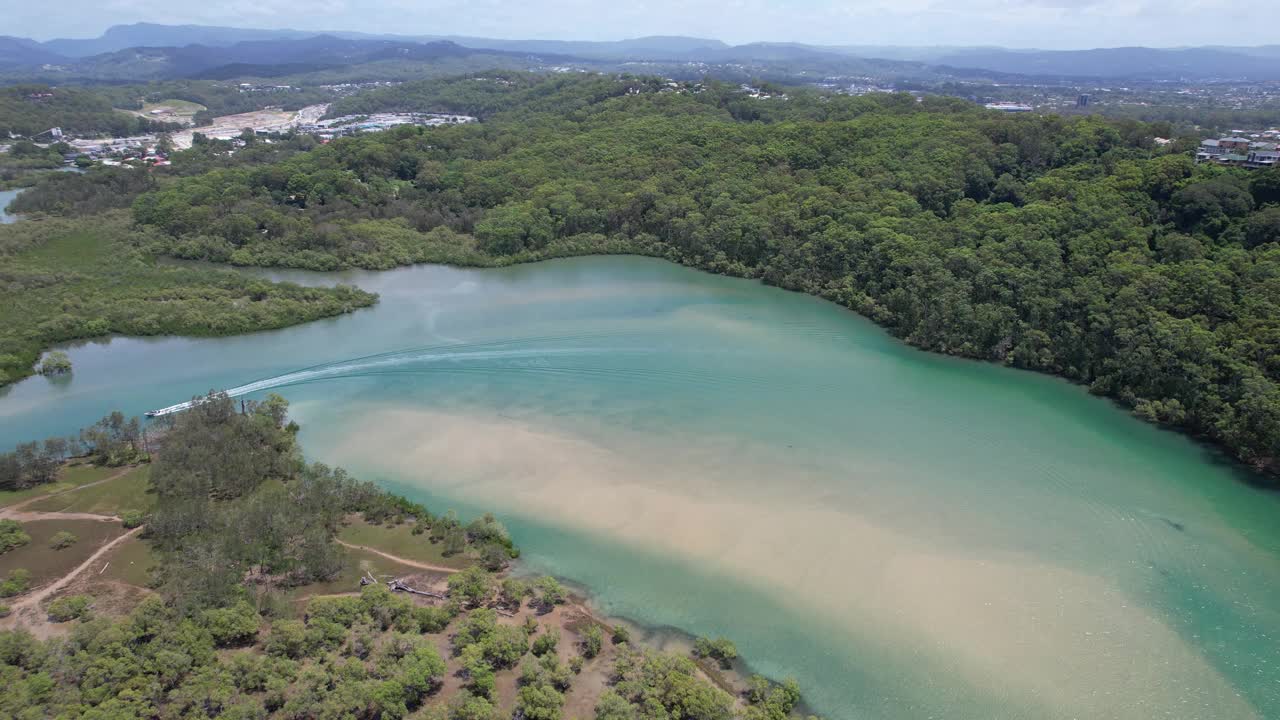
<point>16,52</point>
<point>1255,63</point>
<point>121,37</point>
<point>261,58</point>
<point>271,57</point>
<point>151,51</point>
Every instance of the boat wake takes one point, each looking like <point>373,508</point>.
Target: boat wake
<point>514,353</point>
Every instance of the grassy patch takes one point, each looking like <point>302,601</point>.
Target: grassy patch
<point>358,562</point>
<point>400,541</point>
<point>128,492</point>
<point>171,110</point>
<point>80,250</point>
<point>46,564</point>
<point>130,562</point>
<point>72,476</point>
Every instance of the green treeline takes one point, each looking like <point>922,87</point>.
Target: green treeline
<point>1068,246</point>
<point>68,193</point>
<point>111,442</point>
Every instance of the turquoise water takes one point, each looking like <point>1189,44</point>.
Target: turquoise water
<point>909,535</point>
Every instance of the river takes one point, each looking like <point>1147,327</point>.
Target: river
<point>909,535</point>
<point>6,197</point>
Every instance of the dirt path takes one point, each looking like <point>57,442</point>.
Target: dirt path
<point>13,511</point>
<point>36,597</point>
<point>402,561</point>
<point>34,515</point>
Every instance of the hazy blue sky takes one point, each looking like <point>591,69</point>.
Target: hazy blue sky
<point>1014,23</point>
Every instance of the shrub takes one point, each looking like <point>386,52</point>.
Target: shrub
<point>62,540</point>
<point>231,626</point>
<point>69,608</point>
<point>550,592</point>
<point>341,610</point>
<point>777,701</point>
<point>55,363</point>
<point>547,670</point>
<point>513,592</point>
<point>465,706</point>
<point>132,519</point>
<point>18,581</point>
<point>539,702</point>
<point>432,619</point>
<point>592,640</point>
<point>12,536</point>
<point>5,610</point>
<point>721,650</point>
<point>288,638</point>
<point>621,634</point>
<point>505,646</point>
<point>472,586</point>
<point>455,541</point>
<point>493,557</point>
<point>546,642</point>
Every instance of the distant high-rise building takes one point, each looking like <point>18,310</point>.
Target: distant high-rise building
<point>1082,100</point>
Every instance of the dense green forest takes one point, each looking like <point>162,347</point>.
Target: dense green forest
<point>239,522</point>
<point>236,500</point>
<point>1068,246</point>
<point>32,109</point>
<point>365,657</point>
<point>66,279</point>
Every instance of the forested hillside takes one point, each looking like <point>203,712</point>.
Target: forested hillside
<point>30,109</point>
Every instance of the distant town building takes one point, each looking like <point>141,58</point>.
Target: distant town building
<point>1209,149</point>
<point>353,124</point>
<point>1082,100</point>
<point>1263,159</point>
<point>1009,107</point>
<point>1239,152</point>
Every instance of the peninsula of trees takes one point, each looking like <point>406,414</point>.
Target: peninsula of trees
<point>238,621</point>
